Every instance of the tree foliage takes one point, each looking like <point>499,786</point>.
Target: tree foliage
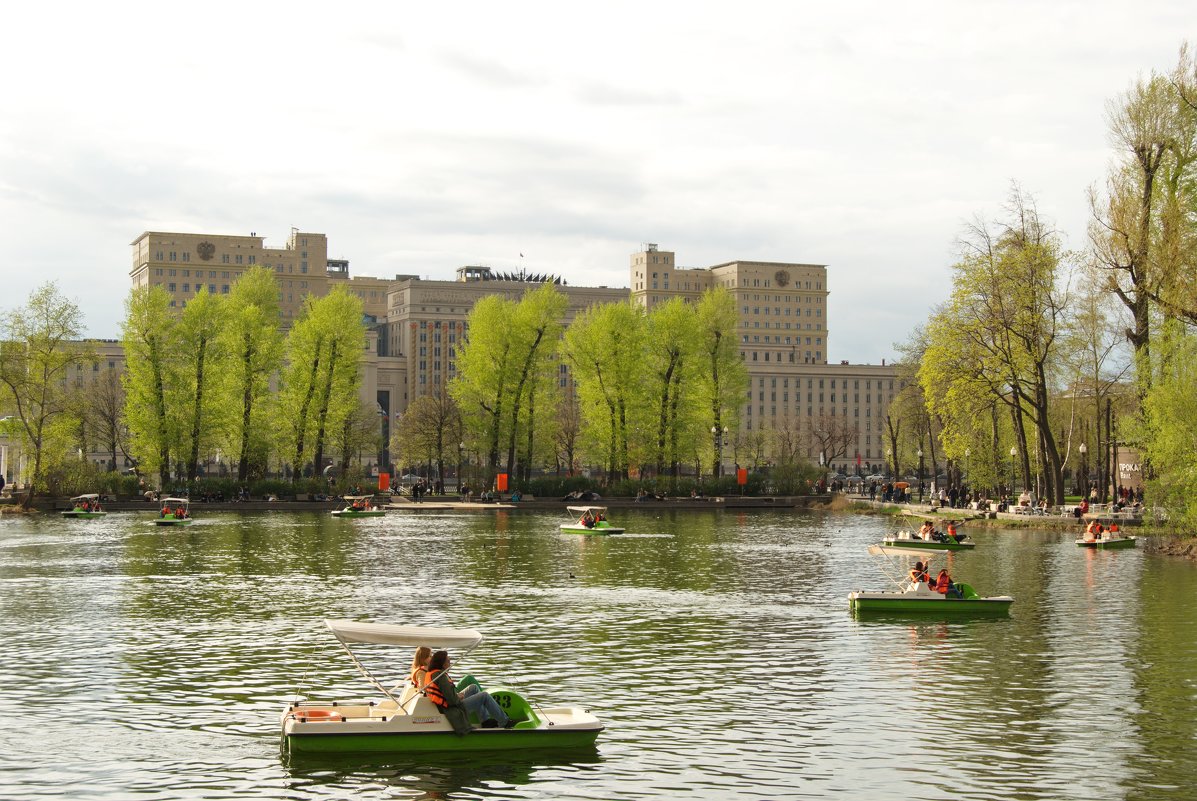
<point>38,346</point>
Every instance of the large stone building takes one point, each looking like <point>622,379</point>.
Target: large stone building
<point>184,264</point>
<point>834,411</point>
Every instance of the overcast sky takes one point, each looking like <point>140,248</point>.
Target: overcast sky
<point>423,137</point>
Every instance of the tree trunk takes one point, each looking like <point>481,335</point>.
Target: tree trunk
<point>198,413</point>
<point>322,414</point>
<point>302,418</point>
<point>246,408</point>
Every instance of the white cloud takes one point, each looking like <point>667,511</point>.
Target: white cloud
<point>423,138</point>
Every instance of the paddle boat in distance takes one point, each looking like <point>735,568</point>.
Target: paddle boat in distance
<point>85,507</point>
<point>1098,537</point>
<point>175,512</point>
<point>404,720</point>
<point>359,506</point>
<point>589,520</point>
<point>909,596</point>
<point>934,540</point>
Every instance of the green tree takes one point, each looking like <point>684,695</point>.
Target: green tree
<point>999,336</point>
<point>723,376</point>
<point>323,372</point>
<point>38,346</point>
<point>1144,228</point>
<point>429,431</point>
<point>485,372</point>
<point>202,365</point>
<point>534,331</point>
<point>148,336</point>
<point>1170,426</point>
<point>671,361</point>
<point>604,346</point>
<point>254,343</point>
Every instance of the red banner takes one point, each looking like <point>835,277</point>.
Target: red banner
<point>384,482</point>
<point>742,476</point>
<point>501,482</point>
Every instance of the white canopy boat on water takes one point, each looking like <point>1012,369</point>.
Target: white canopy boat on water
<point>929,538</point>
<point>175,512</point>
<point>85,506</point>
<point>589,520</point>
<point>407,721</point>
<point>920,596</point>
<point>359,506</point>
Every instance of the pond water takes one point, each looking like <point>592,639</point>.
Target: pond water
<point>717,647</point>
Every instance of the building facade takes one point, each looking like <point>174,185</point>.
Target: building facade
<point>835,412</point>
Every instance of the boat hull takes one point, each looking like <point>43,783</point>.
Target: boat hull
<point>1106,544</point>
<point>316,728</point>
<point>929,545</point>
<point>373,513</point>
<point>83,515</point>
<point>573,528</point>
<point>922,603</point>
<point>442,742</point>
<point>172,521</point>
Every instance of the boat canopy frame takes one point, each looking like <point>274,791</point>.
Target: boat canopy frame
<point>359,632</point>
<point>896,572</point>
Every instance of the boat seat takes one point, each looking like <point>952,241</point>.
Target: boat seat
<point>420,706</point>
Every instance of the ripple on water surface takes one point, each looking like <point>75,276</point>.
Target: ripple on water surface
<point>717,648</point>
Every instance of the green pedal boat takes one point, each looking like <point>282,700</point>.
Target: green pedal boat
<point>85,507</point>
<point>403,720</point>
<point>359,506</point>
<point>174,512</point>
<point>910,596</point>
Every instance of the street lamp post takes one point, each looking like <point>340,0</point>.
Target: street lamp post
<point>920,455</point>
<point>460,453</point>
<point>1084,485</point>
<point>889,453</point>
<point>718,434</point>
<point>1013,454</point>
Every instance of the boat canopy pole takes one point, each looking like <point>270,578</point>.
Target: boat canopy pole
<point>369,676</point>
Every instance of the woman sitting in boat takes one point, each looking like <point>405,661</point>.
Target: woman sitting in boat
<point>926,531</point>
<point>918,573</point>
<point>943,584</point>
<point>587,520</point>
<point>419,666</point>
<point>457,706</point>
<point>952,535</point>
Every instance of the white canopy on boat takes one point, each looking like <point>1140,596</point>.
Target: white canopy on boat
<point>584,509</point>
<point>891,550</point>
<point>183,501</point>
<point>88,497</point>
<point>348,631</point>
<point>356,497</point>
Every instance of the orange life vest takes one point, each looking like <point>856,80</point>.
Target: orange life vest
<point>434,694</point>
<point>941,583</point>
<point>1113,528</point>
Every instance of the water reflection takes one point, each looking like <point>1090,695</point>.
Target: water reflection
<point>432,776</point>
<point>717,648</point>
